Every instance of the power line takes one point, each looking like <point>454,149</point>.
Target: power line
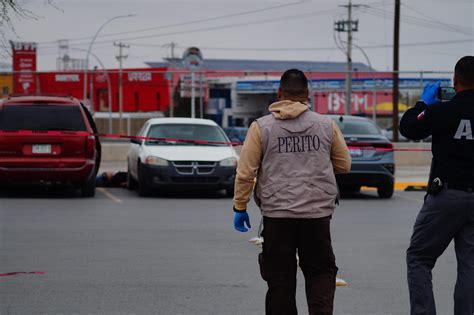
<point>430,43</point>
<point>232,25</point>
<point>415,21</point>
<point>296,49</point>
<point>272,20</point>
<point>215,18</point>
<point>453,26</point>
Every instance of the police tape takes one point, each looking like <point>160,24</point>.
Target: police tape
<point>362,147</point>
<point>21,273</point>
<point>114,136</point>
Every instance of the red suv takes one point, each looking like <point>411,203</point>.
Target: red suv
<point>48,140</point>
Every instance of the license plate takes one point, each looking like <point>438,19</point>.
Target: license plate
<point>41,149</point>
<point>355,152</point>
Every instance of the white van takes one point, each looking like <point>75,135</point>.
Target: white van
<point>186,154</point>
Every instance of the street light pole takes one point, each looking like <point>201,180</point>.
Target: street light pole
<point>374,93</point>
<point>86,64</point>
<point>109,85</point>
<point>396,65</point>
<point>348,102</point>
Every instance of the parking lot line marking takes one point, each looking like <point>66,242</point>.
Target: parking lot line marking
<point>408,198</point>
<point>109,195</point>
<point>402,186</point>
<point>405,185</point>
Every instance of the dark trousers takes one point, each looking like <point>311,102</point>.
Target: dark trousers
<point>312,239</point>
<point>447,216</point>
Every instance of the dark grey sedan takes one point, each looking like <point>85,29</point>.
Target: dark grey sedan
<point>372,155</point>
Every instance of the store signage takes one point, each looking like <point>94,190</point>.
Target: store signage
<point>66,78</point>
<point>139,76</point>
<point>24,67</point>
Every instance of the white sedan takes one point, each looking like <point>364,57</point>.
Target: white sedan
<point>184,154</point>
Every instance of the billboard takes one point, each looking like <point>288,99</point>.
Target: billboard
<point>24,67</point>
<point>367,84</point>
<point>362,103</point>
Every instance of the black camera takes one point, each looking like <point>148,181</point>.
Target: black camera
<point>446,93</point>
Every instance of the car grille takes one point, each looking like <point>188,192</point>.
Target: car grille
<point>195,180</point>
<point>194,167</point>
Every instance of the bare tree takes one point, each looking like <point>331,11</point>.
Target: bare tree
<point>10,9</point>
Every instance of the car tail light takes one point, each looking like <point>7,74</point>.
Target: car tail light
<point>388,146</point>
<point>90,147</point>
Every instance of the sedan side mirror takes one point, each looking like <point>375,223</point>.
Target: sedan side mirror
<point>136,141</point>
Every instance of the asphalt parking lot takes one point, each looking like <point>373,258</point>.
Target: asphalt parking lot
<point>178,254</point>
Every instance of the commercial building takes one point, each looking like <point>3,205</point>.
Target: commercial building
<point>231,92</point>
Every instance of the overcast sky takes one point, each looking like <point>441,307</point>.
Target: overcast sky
<point>442,30</point>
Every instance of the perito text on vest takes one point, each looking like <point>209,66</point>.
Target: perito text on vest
<point>306,143</point>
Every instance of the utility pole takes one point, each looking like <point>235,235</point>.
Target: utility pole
<point>193,94</point>
<point>172,59</point>
<point>120,57</point>
<point>396,49</point>
<point>348,26</point>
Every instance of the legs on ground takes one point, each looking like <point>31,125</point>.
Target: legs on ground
<point>278,265</point>
<point>318,264</point>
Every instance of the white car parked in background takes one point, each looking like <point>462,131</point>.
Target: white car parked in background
<point>173,164</point>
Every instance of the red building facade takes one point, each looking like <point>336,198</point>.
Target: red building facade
<point>144,90</point>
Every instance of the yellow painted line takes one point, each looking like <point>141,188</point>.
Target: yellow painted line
<point>401,186</point>
<point>109,195</point>
<point>404,185</point>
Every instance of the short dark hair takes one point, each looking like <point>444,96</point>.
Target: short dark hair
<point>293,83</point>
<point>464,71</point>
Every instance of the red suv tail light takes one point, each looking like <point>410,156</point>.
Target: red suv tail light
<point>90,147</point>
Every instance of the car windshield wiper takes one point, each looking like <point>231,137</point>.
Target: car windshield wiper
<point>210,144</point>
<point>160,142</point>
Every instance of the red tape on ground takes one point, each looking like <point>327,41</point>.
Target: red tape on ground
<point>21,273</point>
<point>173,140</point>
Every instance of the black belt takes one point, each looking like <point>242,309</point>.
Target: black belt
<point>466,188</point>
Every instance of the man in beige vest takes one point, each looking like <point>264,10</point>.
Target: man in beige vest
<point>294,153</point>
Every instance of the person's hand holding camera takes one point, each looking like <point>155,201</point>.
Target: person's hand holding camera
<point>429,96</point>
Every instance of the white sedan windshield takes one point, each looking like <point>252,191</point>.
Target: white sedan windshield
<point>187,132</point>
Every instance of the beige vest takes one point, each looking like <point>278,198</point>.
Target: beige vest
<point>296,177</point>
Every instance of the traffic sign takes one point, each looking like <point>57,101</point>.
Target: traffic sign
<point>192,58</point>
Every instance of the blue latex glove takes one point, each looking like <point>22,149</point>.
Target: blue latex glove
<point>429,96</point>
<point>241,217</point>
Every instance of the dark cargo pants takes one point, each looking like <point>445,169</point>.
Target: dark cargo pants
<point>312,239</point>
<point>447,216</point>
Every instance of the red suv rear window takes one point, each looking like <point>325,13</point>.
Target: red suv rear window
<point>41,118</point>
